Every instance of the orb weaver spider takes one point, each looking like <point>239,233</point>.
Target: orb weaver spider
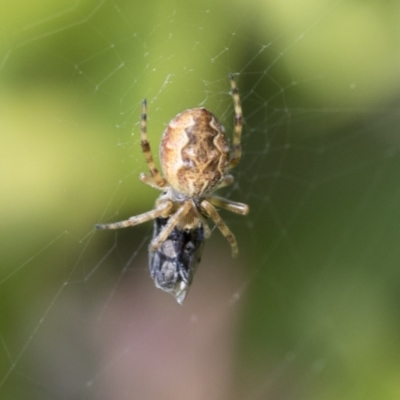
<point>195,160</point>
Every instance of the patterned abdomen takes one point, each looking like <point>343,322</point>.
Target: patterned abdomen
<point>194,152</point>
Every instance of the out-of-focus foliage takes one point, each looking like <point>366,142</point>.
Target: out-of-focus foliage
<point>319,81</point>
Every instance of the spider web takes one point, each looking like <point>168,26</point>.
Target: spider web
<point>309,308</point>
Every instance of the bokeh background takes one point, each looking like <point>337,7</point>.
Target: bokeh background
<point>310,308</point>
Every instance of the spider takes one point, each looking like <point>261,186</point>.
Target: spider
<point>195,160</point>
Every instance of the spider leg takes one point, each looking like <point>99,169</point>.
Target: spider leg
<point>149,180</point>
<point>233,206</point>
<point>171,224</point>
<point>226,181</point>
<point>207,230</point>
<point>163,210</point>
<point>155,180</point>
<point>237,148</point>
<point>212,213</point>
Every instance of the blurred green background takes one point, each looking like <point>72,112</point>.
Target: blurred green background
<point>310,309</point>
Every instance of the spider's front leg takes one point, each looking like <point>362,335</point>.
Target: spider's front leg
<point>232,206</point>
<point>171,224</point>
<point>211,212</point>
<point>162,210</point>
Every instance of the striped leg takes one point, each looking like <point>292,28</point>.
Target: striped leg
<point>237,148</point>
<point>155,180</point>
<point>212,213</point>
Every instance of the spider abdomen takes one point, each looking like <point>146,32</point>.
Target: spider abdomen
<point>194,152</point>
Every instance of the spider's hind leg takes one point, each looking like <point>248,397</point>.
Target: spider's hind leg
<point>237,134</point>
<point>155,180</point>
<point>226,181</point>
<point>149,180</point>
